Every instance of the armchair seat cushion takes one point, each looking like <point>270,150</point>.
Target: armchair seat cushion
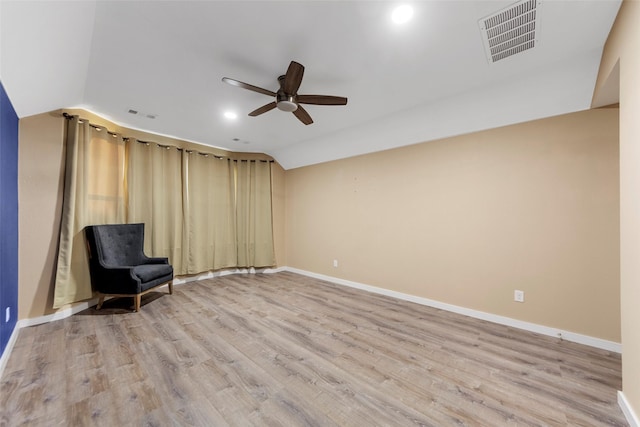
<point>149,272</point>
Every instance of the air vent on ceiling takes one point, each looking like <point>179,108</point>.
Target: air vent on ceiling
<point>147,115</point>
<point>511,30</point>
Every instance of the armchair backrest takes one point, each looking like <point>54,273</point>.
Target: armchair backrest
<point>116,244</point>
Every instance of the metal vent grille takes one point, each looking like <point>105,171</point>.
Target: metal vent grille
<point>511,30</point>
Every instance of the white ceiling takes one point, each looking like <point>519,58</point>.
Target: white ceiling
<point>406,84</point>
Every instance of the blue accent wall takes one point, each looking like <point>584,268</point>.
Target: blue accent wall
<point>8,218</point>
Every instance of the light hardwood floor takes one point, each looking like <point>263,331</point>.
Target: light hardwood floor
<point>287,350</point>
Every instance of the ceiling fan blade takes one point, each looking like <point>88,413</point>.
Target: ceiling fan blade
<point>268,107</point>
<point>243,85</point>
<point>293,78</point>
<point>321,100</point>
<point>302,115</point>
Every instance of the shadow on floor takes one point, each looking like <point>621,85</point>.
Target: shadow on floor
<point>120,305</point>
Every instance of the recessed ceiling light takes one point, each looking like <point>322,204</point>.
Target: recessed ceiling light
<point>402,14</point>
<point>230,115</point>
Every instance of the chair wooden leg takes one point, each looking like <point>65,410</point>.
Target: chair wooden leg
<point>100,302</point>
<point>171,287</point>
<point>136,300</point>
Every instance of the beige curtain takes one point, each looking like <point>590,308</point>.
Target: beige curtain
<point>93,194</point>
<point>209,213</point>
<point>154,194</point>
<point>202,212</point>
<point>253,214</point>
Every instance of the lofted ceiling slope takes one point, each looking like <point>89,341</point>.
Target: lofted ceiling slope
<point>427,79</point>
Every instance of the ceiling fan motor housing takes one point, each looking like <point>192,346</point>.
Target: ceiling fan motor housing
<point>286,102</point>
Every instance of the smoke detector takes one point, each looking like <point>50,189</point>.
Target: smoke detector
<point>511,30</point>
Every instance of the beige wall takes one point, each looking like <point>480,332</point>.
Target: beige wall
<point>40,186</point>
<point>467,220</point>
<point>621,56</point>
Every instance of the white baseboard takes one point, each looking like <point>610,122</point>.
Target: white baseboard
<point>628,411</point>
<point>8,349</point>
<point>58,315</point>
<point>503,320</point>
<point>220,273</point>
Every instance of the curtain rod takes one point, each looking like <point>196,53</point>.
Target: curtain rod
<point>126,138</point>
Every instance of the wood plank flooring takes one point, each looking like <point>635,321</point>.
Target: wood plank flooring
<point>287,350</point>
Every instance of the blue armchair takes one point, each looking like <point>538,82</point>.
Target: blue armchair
<point>118,265</point>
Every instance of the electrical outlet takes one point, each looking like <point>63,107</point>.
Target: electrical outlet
<point>335,263</point>
<point>7,315</point>
<point>518,296</point>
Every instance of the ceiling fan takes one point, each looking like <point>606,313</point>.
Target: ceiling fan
<point>287,98</point>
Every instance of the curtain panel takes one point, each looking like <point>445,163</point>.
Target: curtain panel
<point>209,207</point>
<point>253,214</point>
<point>154,197</point>
<point>202,212</point>
<point>93,194</point>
